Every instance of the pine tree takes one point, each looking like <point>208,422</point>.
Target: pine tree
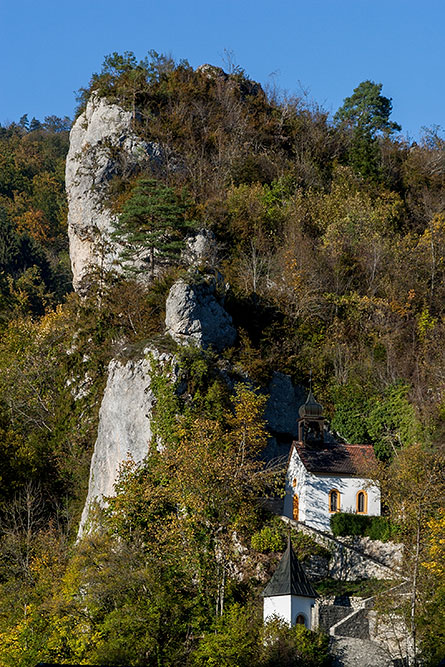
<point>151,226</point>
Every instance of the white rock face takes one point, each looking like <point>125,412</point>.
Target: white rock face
<point>200,248</point>
<point>124,425</point>
<point>195,316</point>
<point>102,145</point>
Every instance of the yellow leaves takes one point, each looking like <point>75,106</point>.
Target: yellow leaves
<point>39,563</point>
<point>425,323</point>
<point>293,271</point>
<point>436,547</point>
<point>11,644</point>
<point>434,234</point>
<point>34,223</point>
<point>403,309</point>
<point>248,427</point>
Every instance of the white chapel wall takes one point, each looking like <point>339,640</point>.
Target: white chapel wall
<point>296,470</point>
<point>313,494</point>
<point>288,607</point>
<point>301,605</point>
<point>317,512</point>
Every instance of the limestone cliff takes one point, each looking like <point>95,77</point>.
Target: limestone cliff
<point>102,145</point>
<point>125,418</point>
<point>195,315</point>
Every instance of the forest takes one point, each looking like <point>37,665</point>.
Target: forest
<point>330,235</point>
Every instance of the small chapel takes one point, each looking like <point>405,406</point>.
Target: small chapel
<point>325,476</point>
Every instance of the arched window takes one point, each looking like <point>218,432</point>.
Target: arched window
<point>334,501</point>
<point>362,502</point>
<point>300,620</point>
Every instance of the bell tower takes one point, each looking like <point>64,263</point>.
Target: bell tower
<point>311,425</point>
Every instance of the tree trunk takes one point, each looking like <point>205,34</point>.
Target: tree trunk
<point>414,588</point>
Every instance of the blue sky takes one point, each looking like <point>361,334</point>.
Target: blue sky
<point>49,49</point>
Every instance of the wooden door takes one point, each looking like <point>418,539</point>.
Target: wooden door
<point>295,507</point>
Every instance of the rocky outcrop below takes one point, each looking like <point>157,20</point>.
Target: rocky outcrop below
<point>195,315</point>
<point>389,553</point>
<point>347,562</point>
<point>281,413</point>
<point>102,146</point>
<point>125,419</point>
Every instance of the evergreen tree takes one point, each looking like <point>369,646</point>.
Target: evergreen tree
<point>367,112</point>
<point>151,226</point>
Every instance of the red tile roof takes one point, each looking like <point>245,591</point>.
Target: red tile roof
<point>336,458</point>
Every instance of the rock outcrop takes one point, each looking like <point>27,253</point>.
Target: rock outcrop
<point>201,248</point>
<point>195,316</point>
<point>283,404</point>
<point>102,146</point>
<point>281,414</point>
<point>125,418</point>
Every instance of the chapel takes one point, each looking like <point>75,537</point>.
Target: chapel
<point>324,475</point>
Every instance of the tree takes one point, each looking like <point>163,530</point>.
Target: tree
<point>368,110</point>
<point>432,618</point>
<point>34,124</point>
<point>55,123</point>
<point>414,487</point>
<point>199,497</point>
<point>153,220</point>
<point>367,113</point>
<point>24,122</point>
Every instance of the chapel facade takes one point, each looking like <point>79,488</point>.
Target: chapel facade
<point>325,476</point>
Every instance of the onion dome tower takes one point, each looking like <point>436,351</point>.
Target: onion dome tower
<point>311,424</point>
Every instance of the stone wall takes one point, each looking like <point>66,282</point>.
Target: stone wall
<point>330,614</point>
<point>355,624</point>
<point>347,563</point>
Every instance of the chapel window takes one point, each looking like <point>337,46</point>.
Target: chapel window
<point>300,620</point>
<point>334,501</point>
<point>362,502</point>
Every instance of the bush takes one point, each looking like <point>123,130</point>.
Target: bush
<point>285,646</point>
<point>374,527</point>
<point>232,642</point>
<point>273,538</point>
<point>269,538</point>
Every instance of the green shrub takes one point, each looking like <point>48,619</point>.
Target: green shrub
<point>269,538</point>
<point>273,538</point>
<point>374,527</point>
<point>284,646</point>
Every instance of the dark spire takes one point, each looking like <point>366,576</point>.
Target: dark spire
<point>289,578</point>
<point>311,408</point>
